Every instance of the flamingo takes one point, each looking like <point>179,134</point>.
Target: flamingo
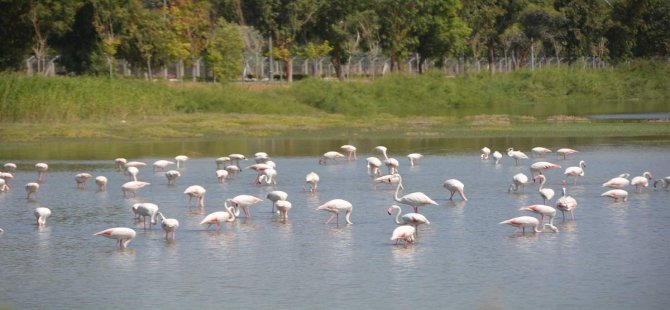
<point>665,182</point>
<point>405,233</point>
<point>31,189</point>
<point>336,206</point>
<point>332,155</point>
<point>543,210</point>
<point>413,158</point>
<point>81,179</point>
<point>616,194</point>
<point>518,180</point>
<point>219,217</point>
<point>453,186</point>
<point>574,172</point>
<point>415,199</point>
<point>3,185</point>
<point>540,166</point>
<point>132,187</point>
<point>221,175</point>
<point>181,160</point>
<point>261,157</point>
<point>198,192</point>
<point>136,164</point>
<point>415,219</point>
<point>120,163</point>
<point>522,222</point>
<point>236,158</point>
<point>6,177</point>
<point>540,151</point>
<point>244,202</point>
<point>373,166</point>
<point>312,179</point>
<point>162,164</point>
<point>516,155</point>
<point>566,204</point>
<point>485,153</point>
<point>269,176</point>
<point>101,181</point>
<point>132,172</point>
<point>41,171</point>
<point>389,178</point>
<point>565,152</point>
<point>169,225</point>
<point>641,182</point>
<point>283,207</point>
<point>275,196</point>
<point>41,215</point>
<point>392,164</point>
<point>222,162</point>
<point>382,149</point>
<point>351,151</point>
<point>498,156</point>
<point>259,168</point>
<point>172,176</point>
<point>123,235</point>
<point>232,169</point>
<point>619,182</point>
<point>9,167</point>
<point>146,209</point>
<point>546,193</point>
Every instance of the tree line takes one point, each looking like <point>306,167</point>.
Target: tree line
<point>89,35</point>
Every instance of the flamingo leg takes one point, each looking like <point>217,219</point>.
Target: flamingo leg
<point>330,218</point>
<point>452,195</point>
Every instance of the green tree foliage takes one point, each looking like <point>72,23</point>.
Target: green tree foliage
<point>397,27</point>
<point>13,34</point>
<point>586,25</point>
<point>224,51</point>
<point>439,30</point>
<point>110,17</point>
<point>190,20</point>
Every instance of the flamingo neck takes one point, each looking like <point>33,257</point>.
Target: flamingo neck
<point>397,215</point>
<point>397,190</point>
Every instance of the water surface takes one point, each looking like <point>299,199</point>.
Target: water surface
<point>613,256</point>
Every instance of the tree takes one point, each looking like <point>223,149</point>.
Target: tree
<point>586,24</point>
<point>641,28</point>
<point>224,51</point>
<point>481,16</point>
<point>190,20</point>
<point>110,16</point>
<point>49,18</point>
<point>397,26</point>
<point>544,23</point>
<point>316,51</point>
<point>13,34</point>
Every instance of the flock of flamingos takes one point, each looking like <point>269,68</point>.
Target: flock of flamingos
<point>265,167</point>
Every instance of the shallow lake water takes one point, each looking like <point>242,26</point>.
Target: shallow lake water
<point>612,256</point>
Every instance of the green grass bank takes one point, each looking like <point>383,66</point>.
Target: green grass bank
<point>34,108</point>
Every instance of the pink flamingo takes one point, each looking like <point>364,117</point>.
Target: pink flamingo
<point>405,233</point>
<point>540,166</point>
<point>132,187</point>
<point>143,210</point>
<point>566,204</point>
<point>81,179</point>
<point>181,160</point>
<point>337,206</point>
<point>616,194</point>
<point>373,166</point>
<point>413,158</point>
<point>523,222</point>
<point>415,199</point>
<point>162,164</point>
<point>276,196</point>
<point>389,179</point>
<point>516,155</point>
<point>169,225</point>
<point>172,176</point>
<point>641,182</point>
<point>219,217</point>
<point>41,215</point>
<point>123,235</point>
<point>414,219</point>
<point>312,179</point>
<point>540,151</point>
<point>619,182</point>
<point>198,192</point>
<point>351,151</point>
<point>485,153</point>
<point>101,181</point>
<point>221,175</point>
<point>332,155</point>
<point>41,171</point>
<point>454,186</point>
<point>31,189</point>
<point>518,180</point>
<point>574,172</point>
<point>543,210</point>
<point>565,152</point>
<point>546,193</point>
<point>283,207</point>
<point>244,202</point>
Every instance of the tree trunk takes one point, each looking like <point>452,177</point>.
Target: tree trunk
<point>492,56</point>
<point>194,69</point>
<point>111,68</point>
<point>289,69</point>
<point>335,60</point>
<point>149,74</point>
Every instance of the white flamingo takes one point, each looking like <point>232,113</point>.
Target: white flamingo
<point>640,182</point>
<point>283,207</point>
<point>136,164</point>
<point>388,179</point>
<point>392,165</point>
<point>31,189</point>
<point>9,167</point>
<point>222,162</point>
<point>123,235</point>
<point>413,158</point>
<point>221,175</point>
<point>619,182</point>
<point>414,219</point>
<point>41,215</point>
<point>540,151</point>
<point>235,159</point>
<point>198,192</point>
<point>540,166</point>
<point>337,206</point>
<point>497,156</point>
<point>41,171</point>
<point>518,180</point>
<point>181,160</point>
<point>373,166</point>
<point>121,163</point>
<point>565,152</point>
<point>172,176</point>
<point>567,204</point>
<point>486,152</point>
<point>516,155</point>
<point>312,180</point>
<point>406,233</point>
<point>275,196</point>
<point>162,164</point>
<point>616,194</point>
<point>546,193</point>
<point>351,151</point>
<point>455,186</point>
<point>574,172</point>
<point>415,199</point>
<point>81,179</point>
<point>382,149</point>
<point>244,202</point>
<point>543,210</point>
<point>523,222</point>
<point>269,176</point>
<point>218,217</point>
<point>101,182</point>
<point>3,186</point>
<point>144,209</point>
<point>132,187</point>
<point>332,155</point>
<point>169,225</point>
<point>132,172</point>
